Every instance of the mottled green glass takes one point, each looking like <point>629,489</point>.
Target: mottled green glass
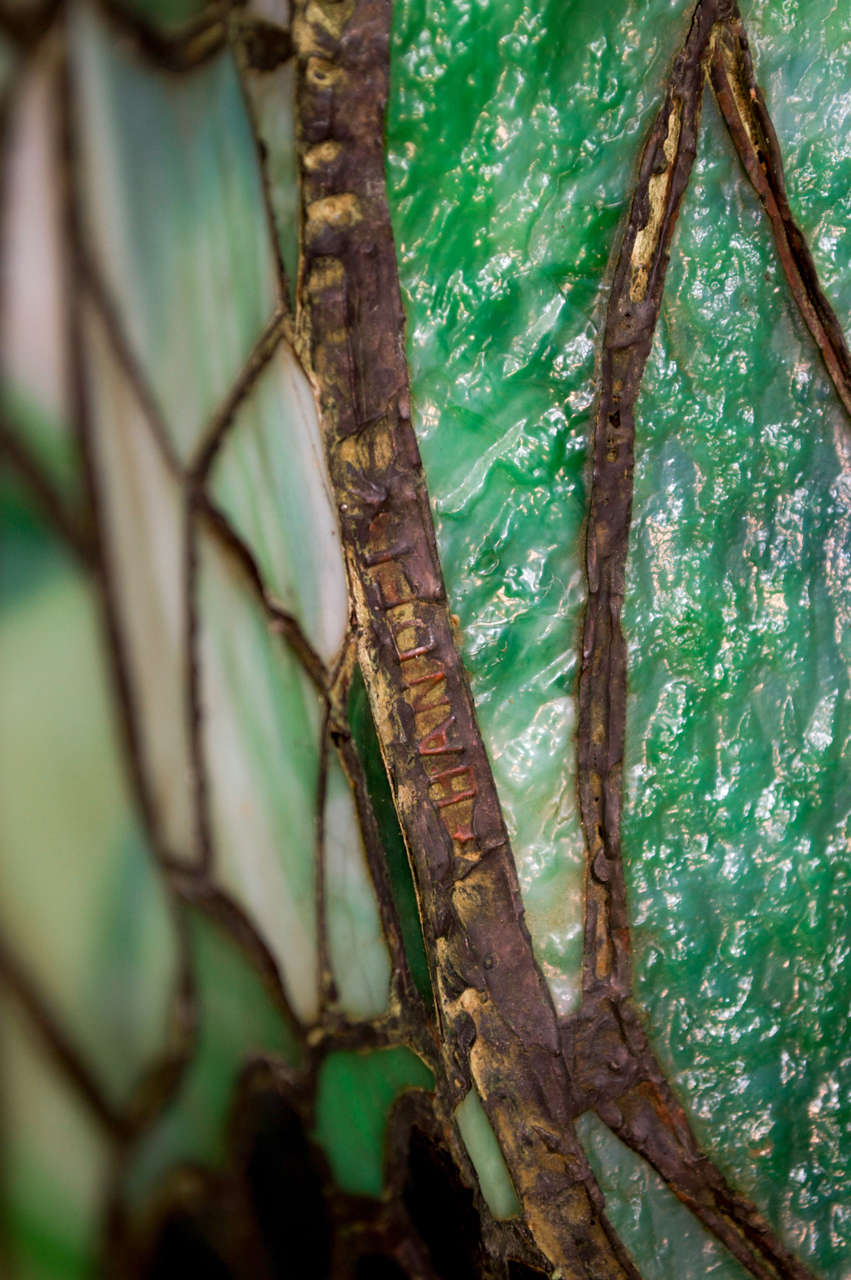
<point>354,1095</point>
<point>238,1020</point>
<point>514,134</point>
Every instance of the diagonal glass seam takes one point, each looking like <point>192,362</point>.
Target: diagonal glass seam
<point>281,619</point>
<point>110,314</point>
<point>179,1051</point>
<point>327,985</point>
<point>242,46</point>
<point>69,524</point>
<point>746,115</point>
<point>162,1080</point>
<point>198,889</point>
<point>265,45</point>
<point>403,988</point>
<point>80,412</point>
<point>635,1100</point>
<point>278,330</point>
<point>59,1044</point>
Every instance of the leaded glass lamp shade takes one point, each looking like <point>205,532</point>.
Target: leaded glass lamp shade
<point>425,474</point>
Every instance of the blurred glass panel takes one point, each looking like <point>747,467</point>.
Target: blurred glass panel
<point>82,904</point>
<point>360,961</point>
<point>144,538</point>
<point>166,13</point>
<point>273,99</point>
<point>271,479</point>
<point>54,1166</point>
<point>34,394</point>
<point>261,723</point>
<point>355,1092</point>
<point>238,1020</point>
<point>174,204</point>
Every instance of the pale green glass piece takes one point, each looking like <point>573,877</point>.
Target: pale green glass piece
<point>483,1149</point>
<point>174,204</point>
<point>34,395</point>
<point>273,99</point>
<point>55,1162</point>
<point>272,482</point>
<point>143,514</point>
<point>664,1239</point>
<point>360,961</point>
<point>261,725</point>
<point>355,1092</point>
<point>239,1021</point>
<point>82,905</point>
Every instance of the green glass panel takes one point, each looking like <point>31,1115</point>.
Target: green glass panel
<point>166,13</point>
<point>174,201</point>
<point>505,203</point>
<point>54,1163</point>
<point>273,99</point>
<point>238,1021</point>
<point>271,480</point>
<point>513,139</point>
<point>81,904</point>
<point>399,869</point>
<point>354,1095</point>
<point>738,796</point>
<point>142,510</point>
<point>360,961</point>
<point>665,1240</point>
<point>483,1149</point>
<point>261,725</point>
<point>34,383</point>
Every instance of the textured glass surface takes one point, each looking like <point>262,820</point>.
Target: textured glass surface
<point>665,1239</point>
<point>514,135</point>
<point>206,893</point>
<point>506,202</point>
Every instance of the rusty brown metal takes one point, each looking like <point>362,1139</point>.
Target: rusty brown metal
<point>498,1022</point>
